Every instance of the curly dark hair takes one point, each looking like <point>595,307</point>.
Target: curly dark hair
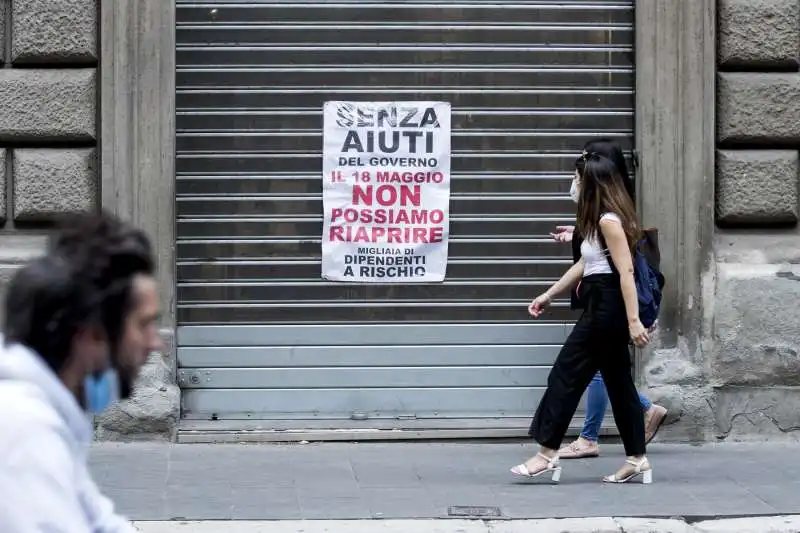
<point>84,279</point>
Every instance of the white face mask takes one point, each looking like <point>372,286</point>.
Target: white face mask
<point>574,192</point>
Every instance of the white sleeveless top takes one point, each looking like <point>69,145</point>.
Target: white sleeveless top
<point>595,260</point>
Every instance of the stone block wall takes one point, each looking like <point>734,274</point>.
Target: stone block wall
<point>755,360</point>
<point>48,120</point>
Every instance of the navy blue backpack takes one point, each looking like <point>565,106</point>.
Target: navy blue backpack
<point>646,275</point>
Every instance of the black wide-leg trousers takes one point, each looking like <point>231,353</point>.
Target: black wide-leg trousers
<point>599,341</point>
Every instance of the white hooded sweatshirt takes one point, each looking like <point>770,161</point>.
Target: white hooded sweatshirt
<point>45,485</point>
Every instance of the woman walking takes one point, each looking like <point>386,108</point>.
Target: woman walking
<point>586,445</point>
<point>610,319</point>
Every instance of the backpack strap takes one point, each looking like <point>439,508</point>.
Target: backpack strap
<point>649,247</point>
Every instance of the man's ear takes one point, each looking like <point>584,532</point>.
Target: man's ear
<point>91,345</point>
<point>90,334</point>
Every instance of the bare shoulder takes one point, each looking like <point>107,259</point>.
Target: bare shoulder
<point>611,224</point>
<point>606,218</point>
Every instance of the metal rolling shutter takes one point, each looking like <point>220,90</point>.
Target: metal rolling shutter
<point>261,336</point>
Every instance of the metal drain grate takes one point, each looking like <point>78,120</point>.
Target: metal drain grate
<point>473,510</point>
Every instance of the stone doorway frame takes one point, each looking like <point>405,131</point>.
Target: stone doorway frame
<point>675,139</point>
<point>675,114</point>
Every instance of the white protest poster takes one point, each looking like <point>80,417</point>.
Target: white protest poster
<point>386,191</point>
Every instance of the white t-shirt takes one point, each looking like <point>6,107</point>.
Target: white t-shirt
<point>595,260</point>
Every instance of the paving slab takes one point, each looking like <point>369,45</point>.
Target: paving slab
<point>769,524</point>
<point>653,525</point>
<point>453,480</point>
<point>778,524</point>
<point>318,526</point>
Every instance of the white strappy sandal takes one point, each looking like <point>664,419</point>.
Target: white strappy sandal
<point>553,467</point>
<point>647,475</point>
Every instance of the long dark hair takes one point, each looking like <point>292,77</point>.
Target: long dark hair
<point>602,190</point>
<point>609,149</point>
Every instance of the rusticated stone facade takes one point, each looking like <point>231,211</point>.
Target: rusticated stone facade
<point>755,361</point>
<point>727,363</point>
<point>49,162</point>
<point>48,120</point>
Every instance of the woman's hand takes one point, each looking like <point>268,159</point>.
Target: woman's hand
<point>563,233</point>
<point>538,306</point>
<point>638,333</point>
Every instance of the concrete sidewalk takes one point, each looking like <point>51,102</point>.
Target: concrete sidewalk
<point>437,480</point>
<point>778,524</point>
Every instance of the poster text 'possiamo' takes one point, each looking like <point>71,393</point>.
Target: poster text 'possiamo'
<point>388,196</point>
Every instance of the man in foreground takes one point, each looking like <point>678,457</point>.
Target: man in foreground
<point>80,323</point>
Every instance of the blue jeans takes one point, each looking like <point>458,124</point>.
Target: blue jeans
<point>596,404</point>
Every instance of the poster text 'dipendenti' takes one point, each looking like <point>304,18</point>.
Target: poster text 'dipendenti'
<point>386,191</point>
